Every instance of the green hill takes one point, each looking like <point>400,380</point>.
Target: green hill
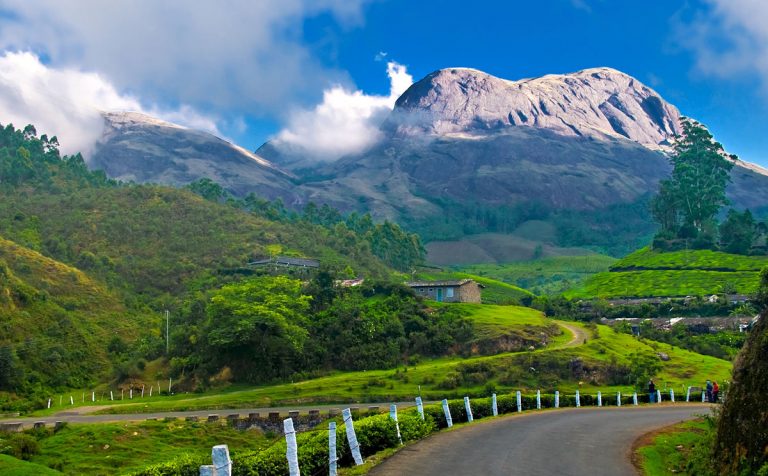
<point>546,276</point>
<point>648,273</point>
<point>56,323</point>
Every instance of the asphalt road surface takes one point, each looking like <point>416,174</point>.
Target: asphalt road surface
<point>568,442</point>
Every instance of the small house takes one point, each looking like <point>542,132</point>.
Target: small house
<point>462,290</point>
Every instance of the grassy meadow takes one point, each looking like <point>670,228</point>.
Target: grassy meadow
<point>648,273</point>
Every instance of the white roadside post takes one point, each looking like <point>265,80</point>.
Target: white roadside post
<point>494,406</point>
<point>142,391</point>
<point>538,399</point>
<point>72,400</point>
<point>130,393</point>
<point>93,396</point>
<point>447,412</point>
<point>393,416</point>
<point>688,395</point>
<point>578,400</point>
<point>618,399</point>
<point>169,385</point>
<point>519,402</point>
<point>468,409</point>
<point>599,399</point>
<point>150,390</point>
<point>332,456</point>
<point>222,464</point>
<point>634,399</point>
<point>420,407</point>
<point>672,395</point>
<point>658,396</point>
<point>703,394</point>
<point>354,446</point>
<point>111,396</point>
<point>49,403</point>
<point>291,451</point>
<point>557,399</point>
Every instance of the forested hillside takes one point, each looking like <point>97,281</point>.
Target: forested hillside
<point>84,259</point>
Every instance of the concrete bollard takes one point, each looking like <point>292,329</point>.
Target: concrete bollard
<point>599,399</point>
<point>618,399</point>
<point>538,399</point>
<point>494,405</point>
<point>658,396</point>
<point>213,418</point>
<point>332,455</point>
<point>293,414</point>
<point>672,395</point>
<point>191,418</point>
<point>314,414</point>
<point>578,399</point>
<point>634,399</point>
<point>221,461</point>
<point>111,396</point>
<point>688,395</point>
<point>373,410</point>
<point>393,416</point>
<point>232,419</point>
<point>93,396</point>
<point>420,407</point>
<point>38,425</point>
<point>253,416</point>
<point>447,412</point>
<point>58,425</point>
<point>703,396</point>
<point>468,410</point>
<point>130,394</point>
<point>354,446</point>
<point>49,403</point>
<point>557,399</point>
<point>11,427</point>
<point>333,412</point>
<point>519,402</point>
<point>274,415</point>
<point>292,451</point>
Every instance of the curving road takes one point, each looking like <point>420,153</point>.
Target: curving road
<point>571,442</point>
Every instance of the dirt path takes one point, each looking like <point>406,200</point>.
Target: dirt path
<point>580,335</point>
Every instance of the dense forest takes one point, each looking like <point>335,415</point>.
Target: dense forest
<point>105,259</point>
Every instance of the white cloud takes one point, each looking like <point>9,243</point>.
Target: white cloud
<point>242,57</point>
<point>729,39</point>
<point>346,121</point>
<point>66,102</point>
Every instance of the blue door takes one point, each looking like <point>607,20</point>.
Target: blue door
<point>439,294</point>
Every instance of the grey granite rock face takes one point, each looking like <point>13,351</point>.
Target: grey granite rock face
<point>136,147</point>
<point>595,102</point>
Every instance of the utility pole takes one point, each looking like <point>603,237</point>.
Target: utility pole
<point>167,333</point>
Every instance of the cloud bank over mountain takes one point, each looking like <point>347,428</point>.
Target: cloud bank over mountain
<point>68,102</point>
<point>347,121</point>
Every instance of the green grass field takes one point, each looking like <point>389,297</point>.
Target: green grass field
<point>647,273</point>
<point>666,454</point>
<point>120,448</point>
<point>544,276</point>
<point>665,283</point>
<point>691,259</point>
<point>10,466</point>
<point>469,376</point>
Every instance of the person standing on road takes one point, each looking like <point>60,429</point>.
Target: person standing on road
<point>652,391</point>
<point>715,392</point>
<point>709,391</point>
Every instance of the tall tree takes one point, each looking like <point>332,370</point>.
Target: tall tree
<point>737,232</point>
<point>689,200</point>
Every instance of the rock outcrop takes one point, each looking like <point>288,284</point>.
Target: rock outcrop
<point>139,148</point>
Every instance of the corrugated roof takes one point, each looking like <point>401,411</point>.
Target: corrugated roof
<point>288,261</point>
<point>433,284</point>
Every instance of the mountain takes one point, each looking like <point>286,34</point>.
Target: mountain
<point>466,152</point>
<point>139,148</point>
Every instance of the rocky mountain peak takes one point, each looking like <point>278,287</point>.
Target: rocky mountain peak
<point>589,103</point>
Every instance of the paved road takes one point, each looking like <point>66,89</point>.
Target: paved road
<point>572,442</point>
<point>75,416</point>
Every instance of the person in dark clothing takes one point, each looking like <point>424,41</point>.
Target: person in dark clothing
<point>652,391</point>
<point>715,392</point>
<point>709,390</point>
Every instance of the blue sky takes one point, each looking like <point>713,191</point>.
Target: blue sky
<point>248,70</point>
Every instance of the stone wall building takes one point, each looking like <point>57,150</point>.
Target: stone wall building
<point>462,290</point>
